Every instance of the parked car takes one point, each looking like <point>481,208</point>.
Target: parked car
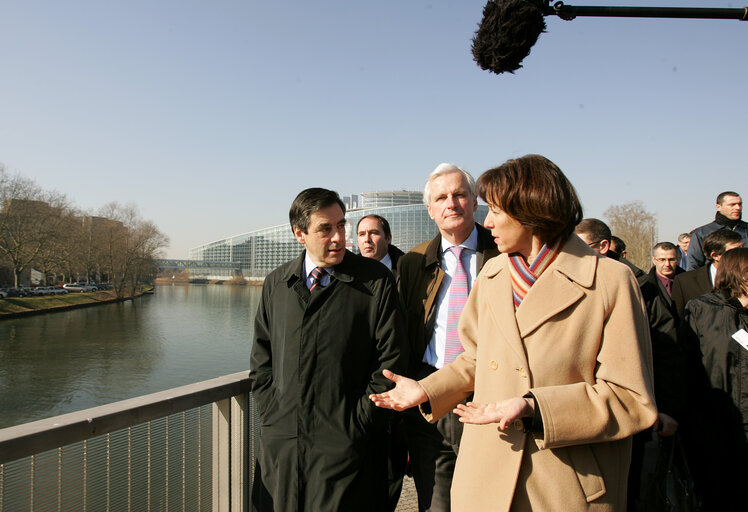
<point>3,293</point>
<point>79,287</point>
<point>53,290</point>
<point>15,292</point>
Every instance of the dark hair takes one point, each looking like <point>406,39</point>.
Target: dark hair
<point>732,274</point>
<point>382,221</point>
<point>533,191</point>
<point>717,242</point>
<point>309,201</point>
<point>595,228</point>
<point>721,197</point>
<point>666,246</point>
<point>620,244</point>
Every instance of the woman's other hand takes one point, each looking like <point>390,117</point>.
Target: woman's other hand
<point>407,393</point>
<point>504,413</point>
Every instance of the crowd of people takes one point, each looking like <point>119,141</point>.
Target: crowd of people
<point>528,361</point>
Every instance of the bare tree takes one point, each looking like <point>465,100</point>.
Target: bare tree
<point>127,246</point>
<point>30,220</point>
<point>637,227</point>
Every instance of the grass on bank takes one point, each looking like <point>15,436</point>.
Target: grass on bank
<point>13,305</point>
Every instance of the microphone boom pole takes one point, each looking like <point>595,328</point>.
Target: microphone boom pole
<point>569,12</point>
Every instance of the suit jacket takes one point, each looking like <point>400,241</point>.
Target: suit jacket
<point>395,255</point>
<point>580,343</point>
<point>690,285</point>
<point>420,276</point>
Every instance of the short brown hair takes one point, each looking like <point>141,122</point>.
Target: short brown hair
<point>309,201</point>
<point>717,241</point>
<point>382,221</point>
<point>723,195</point>
<point>533,190</point>
<point>732,274</point>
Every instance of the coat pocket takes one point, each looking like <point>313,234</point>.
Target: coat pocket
<point>588,471</point>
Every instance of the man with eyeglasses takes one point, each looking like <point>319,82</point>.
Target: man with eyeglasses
<point>667,357</point>
<point>597,235</point>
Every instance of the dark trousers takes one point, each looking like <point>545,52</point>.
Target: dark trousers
<point>433,452</point>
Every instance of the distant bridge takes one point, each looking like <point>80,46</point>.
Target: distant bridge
<point>202,269</point>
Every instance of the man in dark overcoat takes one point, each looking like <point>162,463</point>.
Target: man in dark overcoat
<point>328,323</point>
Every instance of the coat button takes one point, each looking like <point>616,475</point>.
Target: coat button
<point>493,364</point>
<point>518,425</point>
<point>522,372</point>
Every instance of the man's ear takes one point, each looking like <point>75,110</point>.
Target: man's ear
<point>604,246</point>
<point>299,234</point>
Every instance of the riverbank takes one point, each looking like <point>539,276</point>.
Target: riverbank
<point>13,307</point>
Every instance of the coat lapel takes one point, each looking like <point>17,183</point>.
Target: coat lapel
<point>502,309</point>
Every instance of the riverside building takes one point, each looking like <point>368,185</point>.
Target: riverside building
<point>259,252</point>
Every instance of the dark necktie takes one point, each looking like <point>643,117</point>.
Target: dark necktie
<point>316,274</point>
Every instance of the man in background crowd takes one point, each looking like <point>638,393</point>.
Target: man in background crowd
<point>667,357</point>
<point>617,251</point>
<point>728,216</point>
<point>375,241</point>
<point>684,239</point>
<point>691,284</point>
<point>597,235</point>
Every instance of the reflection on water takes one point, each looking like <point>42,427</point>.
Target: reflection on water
<point>62,362</point>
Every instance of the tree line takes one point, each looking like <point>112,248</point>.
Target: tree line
<point>43,230</point>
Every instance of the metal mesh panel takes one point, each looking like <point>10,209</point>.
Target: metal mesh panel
<point>161,465</point>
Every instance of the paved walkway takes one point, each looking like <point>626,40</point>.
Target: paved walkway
<point>408,498</point>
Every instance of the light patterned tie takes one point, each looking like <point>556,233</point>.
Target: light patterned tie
<point>316,274</point>
<point>458,293</point>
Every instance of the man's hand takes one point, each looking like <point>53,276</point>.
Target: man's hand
<point>503,413</point>
<point>406,393</point>
<point>665,426</point>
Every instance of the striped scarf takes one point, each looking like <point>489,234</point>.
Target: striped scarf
<point>523,277</point>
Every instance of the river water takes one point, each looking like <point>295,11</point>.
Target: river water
<point>62,362</point>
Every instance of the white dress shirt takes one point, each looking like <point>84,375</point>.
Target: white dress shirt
<point>434,354</point>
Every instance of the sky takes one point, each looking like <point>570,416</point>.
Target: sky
<point>211,116</point>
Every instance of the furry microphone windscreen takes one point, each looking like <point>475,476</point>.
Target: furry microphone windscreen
<point>507,32</point>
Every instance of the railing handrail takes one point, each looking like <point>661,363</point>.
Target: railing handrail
<point>38,436</point>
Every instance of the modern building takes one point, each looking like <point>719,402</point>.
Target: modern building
<point>259,252</point>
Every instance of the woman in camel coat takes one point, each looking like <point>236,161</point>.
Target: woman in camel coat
<point>556,351</point>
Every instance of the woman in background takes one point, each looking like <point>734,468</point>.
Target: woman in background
<point>557,352</point>
<point>713,334</point>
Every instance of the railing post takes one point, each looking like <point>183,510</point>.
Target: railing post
<point>221,455</point>
<point>230,454</point>
<point>240,453</point>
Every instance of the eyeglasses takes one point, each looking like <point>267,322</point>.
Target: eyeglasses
<point>593,244</point>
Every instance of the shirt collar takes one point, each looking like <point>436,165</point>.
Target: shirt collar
<point>386,261</point>
<point>471,242</point>
<point>309,265</point>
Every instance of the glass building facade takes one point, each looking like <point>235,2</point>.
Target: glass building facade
<point>259,252</point>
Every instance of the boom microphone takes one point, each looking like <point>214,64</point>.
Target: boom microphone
<point>509,28</point>
<point>507,32</point>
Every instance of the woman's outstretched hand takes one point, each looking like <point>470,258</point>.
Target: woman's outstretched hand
<point>407,393</point>
<point>504,413</point>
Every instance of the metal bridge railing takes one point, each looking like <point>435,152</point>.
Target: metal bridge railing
<point>187,448</point>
